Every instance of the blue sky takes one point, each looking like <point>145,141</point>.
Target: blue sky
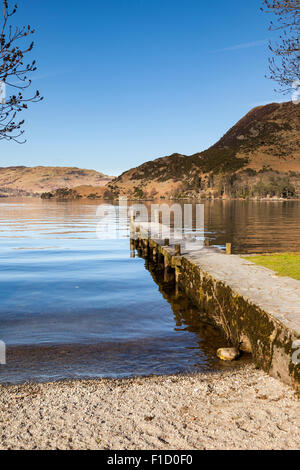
<point>126,81</point>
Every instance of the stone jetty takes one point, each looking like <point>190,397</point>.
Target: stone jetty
<point>258,311</point>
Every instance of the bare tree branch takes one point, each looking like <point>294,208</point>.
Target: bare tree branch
<point>285,61</point>
<point>14,73</point>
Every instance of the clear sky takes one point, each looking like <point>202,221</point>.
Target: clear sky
<point>126,81</point>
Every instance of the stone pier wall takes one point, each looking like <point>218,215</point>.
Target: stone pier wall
<point>240,308</point>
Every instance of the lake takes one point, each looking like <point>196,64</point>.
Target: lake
<point>74,304</point>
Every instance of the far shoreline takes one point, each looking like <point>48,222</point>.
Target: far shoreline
<point>161,200</point>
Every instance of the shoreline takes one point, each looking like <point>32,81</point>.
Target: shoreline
<point>165,199</point>
<point>234,409</point>
<point>162,199</point>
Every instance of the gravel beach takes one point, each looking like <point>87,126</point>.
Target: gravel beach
<point>234,409</point>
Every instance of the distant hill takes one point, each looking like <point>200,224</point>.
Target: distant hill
<point>259,156</point>
<point>25,181</point>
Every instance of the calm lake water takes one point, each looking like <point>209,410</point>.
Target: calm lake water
<point>76,306</point>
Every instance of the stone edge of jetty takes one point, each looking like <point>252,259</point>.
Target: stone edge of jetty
<point>257,310</point>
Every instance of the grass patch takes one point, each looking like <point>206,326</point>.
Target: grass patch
<point>284,264</point>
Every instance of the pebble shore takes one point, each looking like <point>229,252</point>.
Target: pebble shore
<point>234,409</point>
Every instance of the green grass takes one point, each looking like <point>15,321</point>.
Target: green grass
<point>284,264</point>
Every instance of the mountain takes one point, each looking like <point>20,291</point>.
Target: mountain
<point>26,181</point>
<point>259,156</point>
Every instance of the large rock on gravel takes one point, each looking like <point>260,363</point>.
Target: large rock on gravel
<point>228,354</point>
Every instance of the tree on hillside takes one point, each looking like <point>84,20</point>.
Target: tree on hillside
<point>14,74</point>
<point>285,61</point>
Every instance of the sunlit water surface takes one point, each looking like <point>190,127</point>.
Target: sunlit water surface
<point>76,306</point>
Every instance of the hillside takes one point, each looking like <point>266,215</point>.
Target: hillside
<point>26,181</point>
<point>259,156</point>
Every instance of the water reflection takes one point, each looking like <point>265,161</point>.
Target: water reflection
<point>251,226</point>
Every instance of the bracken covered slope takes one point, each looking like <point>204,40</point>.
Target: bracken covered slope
<point>259,156</point>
